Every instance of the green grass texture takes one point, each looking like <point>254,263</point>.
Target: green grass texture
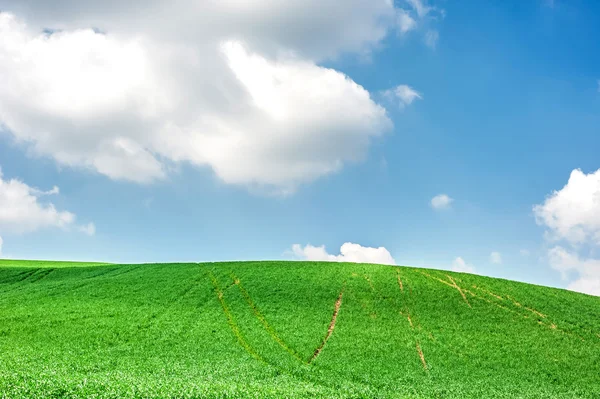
<point>289,330</point>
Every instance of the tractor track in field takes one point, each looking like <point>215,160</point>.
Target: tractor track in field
<point>336,310</point>
<point>231,321</point>
<point>400,284</point>
<point>370,282</point>
<point>545,322</point>
<point>415,329</point>
<point>44,274</point>
<point>23,282</point>
<point>11,279</point>
<point>113,272</point>
<point>422,357</point>
<point>156,316</point>
<point>459,290</point>
<point>258,314</point>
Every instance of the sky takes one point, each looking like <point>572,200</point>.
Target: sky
<point>432,133</point>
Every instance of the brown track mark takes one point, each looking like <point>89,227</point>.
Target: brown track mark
<point>453,285</point>
<point>336,310</point>
<point>459,290</point>
<point>263,320</point>
<point>536,312</point>
<point>400,282</point>
<point>231,321</point>
<point>421,356</point>
<point>488,292</point>
<point>514,301</point>
<point>370,282</point>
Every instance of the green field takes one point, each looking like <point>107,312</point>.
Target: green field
<point>289,329</point>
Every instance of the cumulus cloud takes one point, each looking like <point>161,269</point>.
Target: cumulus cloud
<point>586,271</point>
<point>572,215</point>
<point>232,86</point>
<point>459,265</point>
<point>21,210</point>
<point>441,202</point>
<point>404,95</point>
<point>349,252</point>
<point>496,258</point>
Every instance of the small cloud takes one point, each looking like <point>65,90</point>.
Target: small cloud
<point>406,23</point>
<point>349,252</point>
<point>459,265</point>
<point>404,94</point>
<point>89,229</point>
<point>524,252</point>
<point>496,258</point>
<point>431,38</point>
<point>420,7</point>
<point>441,201</point>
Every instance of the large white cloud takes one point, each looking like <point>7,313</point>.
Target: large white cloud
<point>349,252</point>
<point>573,212</point>
<point>22,209</point>
<point>231,85</point>
<point>572,215</point>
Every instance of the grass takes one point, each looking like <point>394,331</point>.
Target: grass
<point>267,330</point>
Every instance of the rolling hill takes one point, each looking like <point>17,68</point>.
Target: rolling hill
<point>289,329</point>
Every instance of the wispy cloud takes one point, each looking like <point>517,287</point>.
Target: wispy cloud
<point>404,95</point>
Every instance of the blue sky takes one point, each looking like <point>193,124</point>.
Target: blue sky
<point>508,107</point>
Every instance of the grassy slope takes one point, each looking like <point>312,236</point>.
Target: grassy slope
<point>188,330</point>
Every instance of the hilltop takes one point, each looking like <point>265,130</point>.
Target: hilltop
<point>289,329</point>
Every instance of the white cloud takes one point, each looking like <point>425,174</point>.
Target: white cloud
<point>420,7</point>
<point>524,252</point>
<point>496,258</point>
<point>89,229</point>
<point>22,212</point>
<point>406,23</point>
<point>459,265</point>
<point>573,213</point>
<point>587,271</point>
<point>572,216</point>
<point>349,252</point>
<point>403,94</point>
<point>232,86</point>
<point>441,201</point>
<point>431,38</point>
